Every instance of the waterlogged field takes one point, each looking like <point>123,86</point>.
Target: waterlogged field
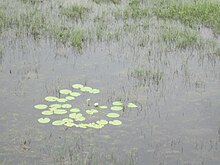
<point>109,82</point>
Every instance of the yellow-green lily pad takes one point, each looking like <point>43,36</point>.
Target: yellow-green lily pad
<point>43,120</point>
<point>58,122</point>
<point>56,105</point>
<point>65,91</point>
<point>75,110</point>
<point>47,112</point>
<point>117,103</point>
<point>86,89</point>
<point>115,122</point>
<point>116,108</point>
<point>92,111</point>
<point>80,118</point>
<point>103,107</point>
<point>70,98</point>
<point>66,106</point>
<point>82,125</point>
<point>77,86</point>
<point>40,106</point>
<point>68,120</point>
<point>132,105</point>
<point>60,111</point>
<point>94,91</point>
<point>70,124</point>
<point>51,98</point>
<point>112,115</point>
<point>75,94</point>
<point>102,122</point>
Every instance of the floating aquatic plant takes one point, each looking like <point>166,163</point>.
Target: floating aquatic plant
<point>47,112</point>
<point>44,120</point>
<point>75,118</point>
<point>75,110</point>
<point>115,122</point>
<point>113,115</point>
<point>117,103</point>
<point>65,91</point>
<point>51,98</point>
<point>40,106</point>
<point>132,105</point>
<point>116,108</point>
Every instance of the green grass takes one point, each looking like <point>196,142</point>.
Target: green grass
<point>3,21</point>
<point>197,11</point>
<point>182,38</point>
<point>75,36</point>
<point>76,11</point>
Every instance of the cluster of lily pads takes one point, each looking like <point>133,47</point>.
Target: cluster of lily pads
<point>63,106</point>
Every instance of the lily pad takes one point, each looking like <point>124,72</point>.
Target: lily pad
<point>112,115</point>
<point>75,94</point>
<point>75,115</point>
<point>66,106</point>
<point>86,89</point>
<point>82,125</point>
<point>92,111</point>
<point>44,120</point>
<point>80,118</point>
<point>70,98</point>
<point>103,107</point>
<point>40,106</point>
<point>58,122</point>
<point>94,91</point>
<point>116,108</point>
<point>102,122</point>
<point>62,100</point>
<point>56,105</point>
<point>132,105</point>
<point>115,122</point>
<point>77,86</point>
<point>65,91</point>
<point>75,110</point>
<point>60,111</point>
<point>47,112</point>
<point>68,120</point>
<point>70,124</point>
<point>117,103</point>
<point>51,98</point>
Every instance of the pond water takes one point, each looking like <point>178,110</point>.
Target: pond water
<point>177,91</point>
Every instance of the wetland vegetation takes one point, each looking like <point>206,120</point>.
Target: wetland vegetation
<point>115,82</point>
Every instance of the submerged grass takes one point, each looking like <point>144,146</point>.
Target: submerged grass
<point>198,11</point>
<point>76,11</point>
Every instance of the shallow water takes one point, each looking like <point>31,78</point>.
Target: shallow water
<point>176,122</point>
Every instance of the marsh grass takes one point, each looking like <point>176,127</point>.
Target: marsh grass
<point>181,37</point>
<point>75,12</point>
<point>204,12</point>
<point>75,36</point>
<point>34,22</point>
<point>3,20</point>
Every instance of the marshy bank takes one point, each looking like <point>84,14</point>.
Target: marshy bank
<point>109,82</point>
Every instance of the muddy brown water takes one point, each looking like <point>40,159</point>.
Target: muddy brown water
<point>177,121</point>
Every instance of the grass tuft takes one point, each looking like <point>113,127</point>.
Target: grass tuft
<point>76,11</point>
